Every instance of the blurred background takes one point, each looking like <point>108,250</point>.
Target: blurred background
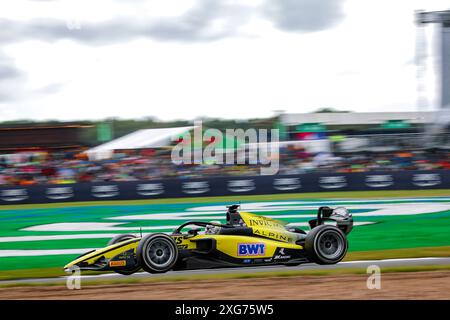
<point>93,92</point>
<point>328,141</point>
<point>348,93</point>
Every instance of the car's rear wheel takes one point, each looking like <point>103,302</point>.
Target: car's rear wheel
<point>326,244</point>
<point>157,253</point>
<point>121,238</point>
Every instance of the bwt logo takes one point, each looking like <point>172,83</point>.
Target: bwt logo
<point>251,249</point>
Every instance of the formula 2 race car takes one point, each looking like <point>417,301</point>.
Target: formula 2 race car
<point>245,240</point>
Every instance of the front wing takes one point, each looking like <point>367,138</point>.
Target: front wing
<point>200,251</point>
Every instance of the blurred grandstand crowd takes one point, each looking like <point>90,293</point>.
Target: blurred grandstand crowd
<point>42,168</point>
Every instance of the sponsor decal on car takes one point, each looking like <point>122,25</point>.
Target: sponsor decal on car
<point>179,242</point>
<point>125,255</point>
<point>251,249</point>
<point>273,235</point>
<point>118,263</point>
<point>281,255</point>
<point>262,222</point>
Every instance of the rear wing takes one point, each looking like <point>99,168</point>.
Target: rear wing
<point>340,215</point>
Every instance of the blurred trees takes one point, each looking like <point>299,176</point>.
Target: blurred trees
<point>121,127</point>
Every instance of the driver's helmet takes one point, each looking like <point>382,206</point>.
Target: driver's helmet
<point>233,208</point>
<point>211,228</point>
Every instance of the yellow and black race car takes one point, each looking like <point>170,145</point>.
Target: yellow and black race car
<point>245,240</point>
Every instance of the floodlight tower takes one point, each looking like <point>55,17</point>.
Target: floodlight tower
<point>434,132</point>
<point>443,19</point>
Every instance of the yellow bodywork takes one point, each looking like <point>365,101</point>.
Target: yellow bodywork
<point>269,228</point>
<point>107,252</point>
<point>228,244</point>
<point>269,232</point>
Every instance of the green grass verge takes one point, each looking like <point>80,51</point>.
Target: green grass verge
<point>369,242</point>
<point>285,196</point>
<point>36,273</point>
<point>420,252</point>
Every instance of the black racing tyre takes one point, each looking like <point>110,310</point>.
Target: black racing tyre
<point>326,244</point>
<point>120,238</point>
<point>157,253</point>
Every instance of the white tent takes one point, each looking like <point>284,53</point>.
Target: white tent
<point>140,139</point>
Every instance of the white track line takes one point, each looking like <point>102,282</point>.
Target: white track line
<point>30,253</point>
<point>264,268</point>
<point>393,260</point>
<point>110,235</point>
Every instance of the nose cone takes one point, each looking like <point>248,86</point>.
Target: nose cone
<point>67,267</point>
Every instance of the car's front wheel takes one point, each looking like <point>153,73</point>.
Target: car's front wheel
<point>121,238</point>
<point>157,253</point>
<point>326,244</point>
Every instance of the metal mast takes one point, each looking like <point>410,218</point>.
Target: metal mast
<point>443,19</point>
<point>442,119</point>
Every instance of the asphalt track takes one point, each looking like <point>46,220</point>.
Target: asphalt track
<point>308,266</point>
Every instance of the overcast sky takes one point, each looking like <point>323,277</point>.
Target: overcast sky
<point>181,59</point>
